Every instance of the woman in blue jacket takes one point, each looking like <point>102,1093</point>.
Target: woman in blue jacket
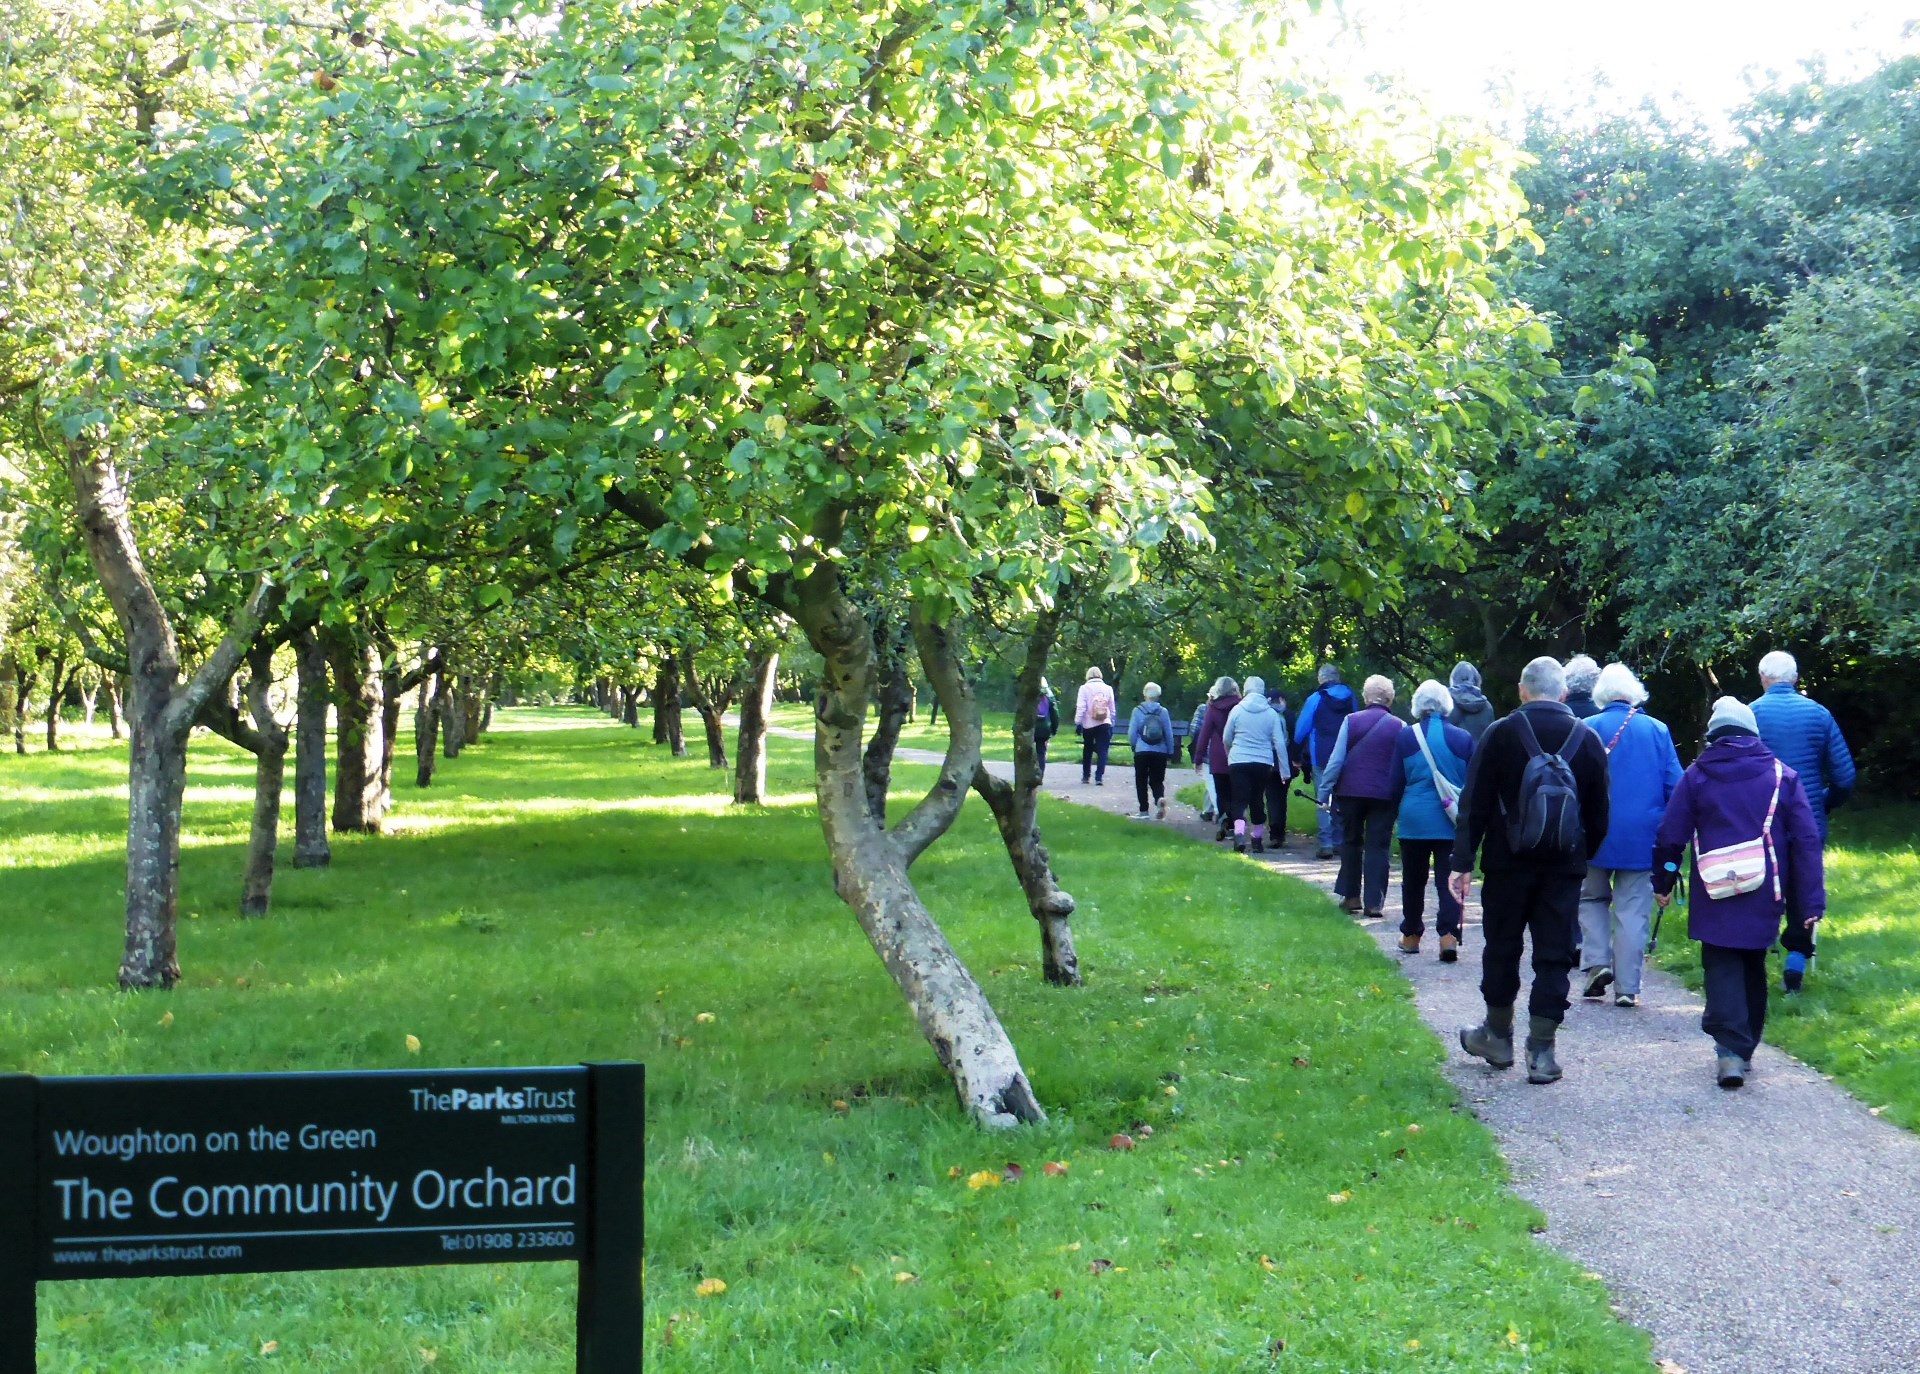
<point>1426,830</point>
<point>1616,900</point>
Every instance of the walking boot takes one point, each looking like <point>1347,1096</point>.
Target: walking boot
<point>1542,1067</point>
<point>1492,1039</point>
<point>1449,948</point>
<point>1730,1070</point>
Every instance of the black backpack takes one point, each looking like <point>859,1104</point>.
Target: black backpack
<point>1151,731</point>
<point>1545,820</point>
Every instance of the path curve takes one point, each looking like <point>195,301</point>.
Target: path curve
<point>1773,1230</point>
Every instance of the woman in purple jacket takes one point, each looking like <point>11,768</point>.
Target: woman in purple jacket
<point>1737,793</point>
<point>1210,749</point>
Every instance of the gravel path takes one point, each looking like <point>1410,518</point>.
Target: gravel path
<point>1773,1230</point>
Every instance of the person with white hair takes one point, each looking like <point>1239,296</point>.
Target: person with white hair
<point>1536,798</point>
<point>1433,758</point>
<point>1616,900</point>
<point>1756,856</point>
<point>1359,777</point>
<point>1582,672</point>
<point>1256,739</point>
<point>1150,733</point>
<point>1314,731</point>
<point>1804,735</point>
<point>1094,712</point>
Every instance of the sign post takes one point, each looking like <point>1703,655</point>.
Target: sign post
<point>268,1173</point>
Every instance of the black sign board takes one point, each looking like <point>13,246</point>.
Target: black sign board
<point>254,1173</point>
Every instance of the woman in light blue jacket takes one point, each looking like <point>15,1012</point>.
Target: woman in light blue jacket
<point>1256,737</point>
<point>1426,830</point>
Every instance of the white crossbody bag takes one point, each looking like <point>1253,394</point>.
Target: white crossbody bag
<point>1734,869</point>
<point>1449,794</point>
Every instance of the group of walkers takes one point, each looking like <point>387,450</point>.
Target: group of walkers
<point>1574,806</point>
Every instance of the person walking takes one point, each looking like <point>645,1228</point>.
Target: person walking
<point>1359,777</point>
<point>1210,750</point>
<point>1282,778</point>
<point>1536,798</point>
<point>1212,810</point>
<point>1093,715</point>
<point>1805,737</point>
<point>1582,673</point>
<point>1321,716</point>
<point>1616,899</point>
<point>1046,722</point>
<point>1150,733</point>
<point>1472,711</point>
<point>1431,758</point>
<point>1256,738</point>
<point>1756,855</point>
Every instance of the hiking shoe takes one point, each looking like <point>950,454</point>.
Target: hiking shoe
<point>1259,846</point>
<point>1486,1042</point>
<point>1627,999</point>
<point>1793,973</point>
<point>1099,782</point>
<point>1136,815</point>
<point>1409,944</point>
<point>1730,1071</point>
<point>1323,853</point>
<point>1350,905</point>
<point>1542,1067</point>
<point>1239,844</point>
<point>1161,813</point>
<point>1206,815</point>
<point>1599,979</point>
<point>1373,914</point>
<point>1449,949</point>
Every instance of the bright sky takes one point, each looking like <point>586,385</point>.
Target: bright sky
<point>1698,55</point>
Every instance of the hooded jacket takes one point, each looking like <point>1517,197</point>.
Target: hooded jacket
<point>1472,711</point>
<point>1320,721</point>
<point>1256,733</point>
<point>1723,800</point>
<point>1211,747</point>
<point>1803,734</point>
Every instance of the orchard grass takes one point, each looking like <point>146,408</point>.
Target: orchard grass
<point>570,893</point>
<point>1858,1018</point>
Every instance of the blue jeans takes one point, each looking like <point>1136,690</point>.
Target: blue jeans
<point>1095,740</point>
<point>1331,831</point>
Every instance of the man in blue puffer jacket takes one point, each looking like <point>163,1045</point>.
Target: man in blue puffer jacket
<point>1803,735</point>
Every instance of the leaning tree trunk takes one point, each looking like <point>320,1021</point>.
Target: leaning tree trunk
<point>893,698</point>
<point>160,715</point>
<point>311,848</point>
<point>269,778</point>
<point>116,695</point>
<point>750,754</point>
<point>23,679</point>
<point>1016,809</point>
<point>870,864</point>
<point>357,745</point>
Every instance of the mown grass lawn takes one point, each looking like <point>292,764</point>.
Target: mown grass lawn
<point>1309,1198</point>
<point>1859,1015</point>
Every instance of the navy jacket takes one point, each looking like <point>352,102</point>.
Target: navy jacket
<point>1803,735</point>
<point>1493,787</point>
<point>1320,720</point>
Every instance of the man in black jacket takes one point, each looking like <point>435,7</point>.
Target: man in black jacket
<point>1537,891</point>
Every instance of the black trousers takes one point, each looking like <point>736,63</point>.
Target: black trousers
<point>1095,740</point>
<point>1417,859</point>
<point>1366,849</point>
<point>1277,808</point>
<point>1149,775</point>
<point>1249,782</point>
<point>1040,748</point>
<point>1545,907</point>
<point>1736,997</point>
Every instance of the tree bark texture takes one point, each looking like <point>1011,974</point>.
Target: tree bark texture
<point>357,744</point>
<point>426,728</point>
<point>161,712</point>
<point>23,680</point>
<point>269,778</point>
<point>311,848</point>
<point>893,699</point>
<point>712,706</point>
<point>1016,809</point>
<point>750,753</point>
<point>56,692</point>
<point>668,728</point>
<point>630,706</point>
<point>870,865</point>
<point>393,688</point>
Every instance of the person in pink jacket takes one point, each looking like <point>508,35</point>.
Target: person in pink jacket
<point>1093,715</point>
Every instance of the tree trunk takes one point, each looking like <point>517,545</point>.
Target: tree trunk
<point>471,715</point>
<point>453,720</point>
<point>9,684</point>
<point>357,745</point>
<point>712,707</point>
<point>870,865</point>
<point>750,755</point>
<point>630,706</point>
<point>269,778</point>
<point>1016,809</point>
<point>56,691</point>
<point>161,712</point>
<point>668,728</point>
<point>893,698</point>
<point>426,727</point>
<point>392,693</point>
<point>311,848</point>
<point>23,679</point>
<point>116,697</point>
<point>89,698</point>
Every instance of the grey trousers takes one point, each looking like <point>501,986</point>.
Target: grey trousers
<point>1616,917</point>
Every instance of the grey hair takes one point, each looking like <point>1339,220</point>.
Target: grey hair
<point>1328,673</point>
<point>1151,691</point>
<point>1377,691</point>
<point>1256,687</point>
<point>1431,698</point>
<point>1544,680</point>
<point>1224,686</point>
<point>1779,666</point>
<point>1095,675</point>
<point>1582,672</point>
<point>1617,683</point>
